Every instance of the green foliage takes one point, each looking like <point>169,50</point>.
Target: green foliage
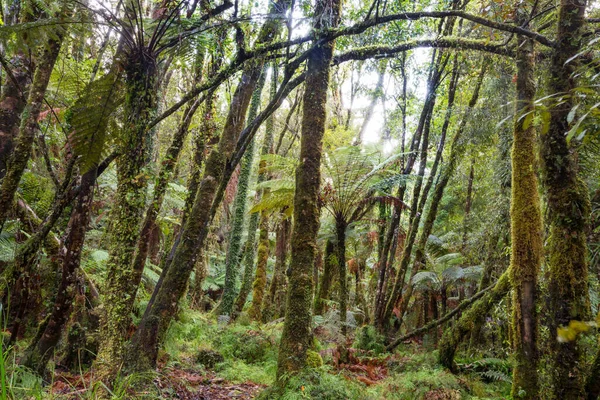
<point>90,118</point>
<point>318,384</point>
<point>37,191</point>
<point>368,339</point>
<point>248,345</point>
<point>8,244</point>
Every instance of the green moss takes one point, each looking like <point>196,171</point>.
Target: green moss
<point>313,359</point>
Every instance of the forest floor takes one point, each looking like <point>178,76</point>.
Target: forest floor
<point>205,360</point>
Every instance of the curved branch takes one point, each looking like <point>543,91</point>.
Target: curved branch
<point>450,42</point>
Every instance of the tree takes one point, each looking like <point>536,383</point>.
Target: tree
<point>295,340</point>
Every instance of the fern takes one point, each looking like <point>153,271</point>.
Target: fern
<point>90,116</point>
<point>495,376</point>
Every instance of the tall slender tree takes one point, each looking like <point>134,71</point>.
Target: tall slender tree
<point>295,340</point>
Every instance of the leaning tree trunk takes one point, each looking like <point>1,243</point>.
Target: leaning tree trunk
<point>232,261</point>
<point>249,248</point>
<point>23,142</point>
<point>161,184</point>
<point>453,336</point>
<point>568,209</point>
<point>295,339</point>
<point>157,318</point>
<point>526,229</point>
<point>40,350</point>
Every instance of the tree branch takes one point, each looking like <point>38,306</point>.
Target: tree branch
<point>465,304</point>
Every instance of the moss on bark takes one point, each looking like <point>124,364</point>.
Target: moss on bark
<point>295,340</point>
<point>568,208</point>
<point>453,336</point>
<point>260,277</point>
<point>233,258</point>
<point>274,303</point>
<point>157,318</point>
<point>29,121</point>
<point>130,201</point>
<point>249,249</point>
<point>526,230</point>
<point>326,279</point>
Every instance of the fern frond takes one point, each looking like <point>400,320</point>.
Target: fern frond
<point>90,116</point>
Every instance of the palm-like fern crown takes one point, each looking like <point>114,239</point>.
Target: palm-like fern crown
<point>355,180</point>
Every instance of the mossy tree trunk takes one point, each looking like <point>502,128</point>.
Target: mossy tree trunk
<point>130,201</point>
<point>568,208</point>
<point>40,350</point>
<point>28,128</point>
<point>340,230</point>
<point>157,318</point>
<point>249,248</point>
<point>162,180</point>
<point>526,227</point>
<point>329,266</point>
<point>260,277</point>
<point>233,257</point>
<point>274,303</point>
<point>453,336</point>
<point>295,339</point>
<point>12,104</point>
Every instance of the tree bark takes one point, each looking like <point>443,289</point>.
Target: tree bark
<point>326,278</point>
<point>29,123</point>
<point>453,336</point>
<point>295,339</point>
<point>233,257</point>
<point>130,201</point>
<point>568,208</point>
<point>274,304</point>
<point>249,248</point>
<point>526,227</point>
<point>154,324</point>
<point>39,351</point>
<point>456,150</point>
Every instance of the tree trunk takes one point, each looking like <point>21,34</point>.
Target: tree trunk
<point>456,150</point>
<point>40,351</point>
<point>568,208</point>
<point>121,283</point>
<point>29,123</point>
<point>260,278</point>
<point>340,230</point>
<point>295,339</point>
<point>526,227</point>
<point>453,336</point>
<point>329,266</point>
<point>233,258</point>
<point>249,248</point>
<point>156,320</point>
<point>468,204</point>
<point>160,189</point>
